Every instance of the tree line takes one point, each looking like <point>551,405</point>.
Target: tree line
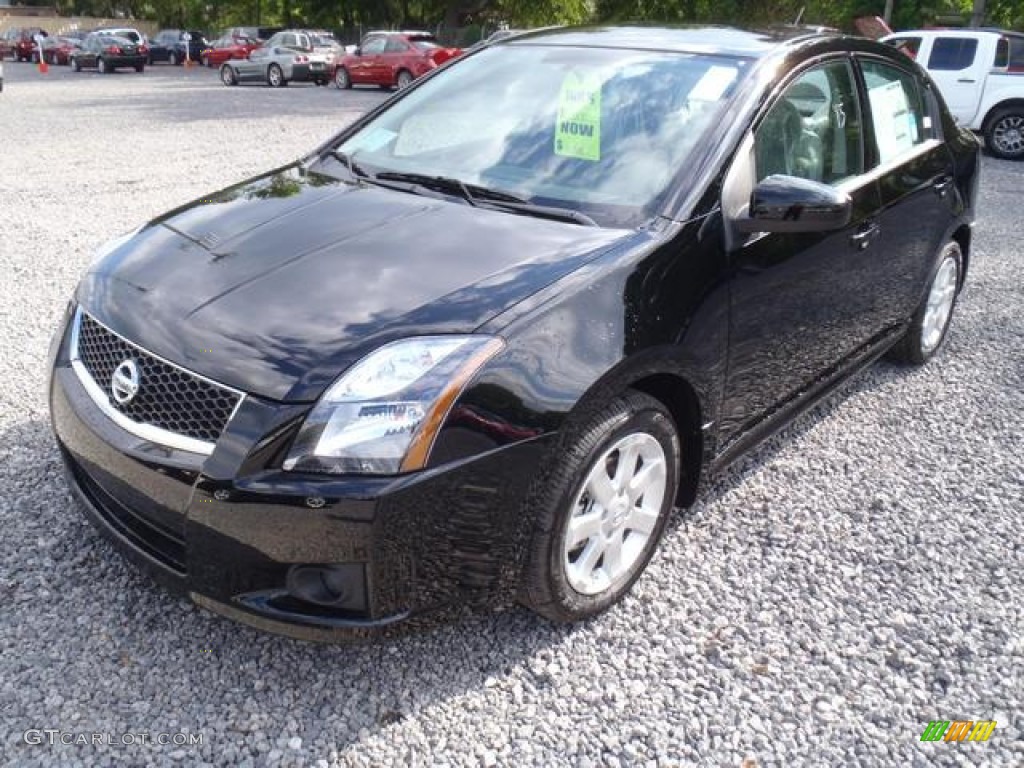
<point>452,14</point>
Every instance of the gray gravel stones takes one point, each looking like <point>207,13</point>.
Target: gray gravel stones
<point>843,585</point>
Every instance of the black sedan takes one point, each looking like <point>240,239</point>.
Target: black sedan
<point>461,355</point>
<point>175,46</point>
<point>106,53</point>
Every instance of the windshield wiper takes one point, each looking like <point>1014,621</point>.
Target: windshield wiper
<point>354,168</point>
<point>478,196</point>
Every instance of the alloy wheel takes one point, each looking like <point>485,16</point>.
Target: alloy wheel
<point>614,514</point>
<point>940,305</point>
<point>1008,135</point>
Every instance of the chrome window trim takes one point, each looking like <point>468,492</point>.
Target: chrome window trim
<point>145,431</point>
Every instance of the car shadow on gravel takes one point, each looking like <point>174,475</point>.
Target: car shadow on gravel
<point>78,609</point>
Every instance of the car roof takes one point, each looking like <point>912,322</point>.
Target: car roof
<point>728,41</point>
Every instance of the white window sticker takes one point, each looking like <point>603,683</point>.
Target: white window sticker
<point>895,125</point>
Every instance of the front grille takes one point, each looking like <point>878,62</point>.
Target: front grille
<point>169,398</point>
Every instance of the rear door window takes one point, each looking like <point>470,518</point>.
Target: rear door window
<point>951,54</point>
<point>898,114</point>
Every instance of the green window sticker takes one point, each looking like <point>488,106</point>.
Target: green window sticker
<point>578,126</point>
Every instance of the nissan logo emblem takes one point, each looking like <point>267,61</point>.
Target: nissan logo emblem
<point>124,384</point>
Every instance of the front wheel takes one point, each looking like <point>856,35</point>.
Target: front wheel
<point>601,508</point>
<point>932,319</point>
<point>228,76</point>
<point>1004,136</point>
<point>404,79</point>
<point>342,79</point>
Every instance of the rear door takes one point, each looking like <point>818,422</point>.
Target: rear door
<point>958,64</point>
<point>915,180</point>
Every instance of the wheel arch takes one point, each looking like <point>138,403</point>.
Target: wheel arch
<point>962,236</point>
<point>998,107</point>
<point>681,400</point>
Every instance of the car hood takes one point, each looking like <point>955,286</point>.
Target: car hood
<point>277,285</point>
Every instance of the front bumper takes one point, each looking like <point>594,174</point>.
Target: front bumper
<point>230,528</point>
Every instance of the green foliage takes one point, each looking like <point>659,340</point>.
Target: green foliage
<point>485,14</point>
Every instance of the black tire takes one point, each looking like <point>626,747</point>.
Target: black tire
<point>403,79</point>
<point>140,67</point>
<point>101,66</point>
<point>546,586</point>
<point>172,59</point>
<point>342,79</point>
<point>228,76</point>
<point>1004,134</point>
<point>75,66</point>
<point>926,334</point>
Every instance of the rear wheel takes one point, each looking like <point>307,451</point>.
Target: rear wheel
<point>342,79</point>
<point>1004,136</point>
<point>228,76</point>
<point>404,79</point>
<point>601,509</point>
<point>932,319</point>
<point>275,77</point>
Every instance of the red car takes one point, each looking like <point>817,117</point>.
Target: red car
<point>228,47</point>
<point>58,49</point>
<point>391,59</point>
<point>20,44</point>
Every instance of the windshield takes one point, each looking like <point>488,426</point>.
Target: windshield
<point>601,131</point>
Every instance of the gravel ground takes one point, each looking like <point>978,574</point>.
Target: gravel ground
<point>843,585</point>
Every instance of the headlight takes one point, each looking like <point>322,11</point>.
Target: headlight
<point>381,416</point>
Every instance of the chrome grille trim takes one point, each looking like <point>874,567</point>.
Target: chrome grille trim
<point>148,432</point>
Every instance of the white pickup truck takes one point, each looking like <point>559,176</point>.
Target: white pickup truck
<point>981,76</point>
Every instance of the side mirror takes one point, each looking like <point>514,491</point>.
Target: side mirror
<point>357,51</point>
<point>790,204</point>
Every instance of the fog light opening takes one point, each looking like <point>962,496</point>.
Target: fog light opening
<point>334,585</point>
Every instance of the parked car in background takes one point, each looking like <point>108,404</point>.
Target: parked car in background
<point>170,45</point>
<point>57,49</point>
<point>257,33</point>
<point>391,60</point>
<point>228,47</point>
<point>129,33</point>
<point>107,53</point>
<point>468,355</point>
<point>287,57</point>
<point>980,73</point>
<point>19,43</point>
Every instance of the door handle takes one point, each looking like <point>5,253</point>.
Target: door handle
<point>965,80</point>
<point>867,232</point>
<point>942,185</point>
